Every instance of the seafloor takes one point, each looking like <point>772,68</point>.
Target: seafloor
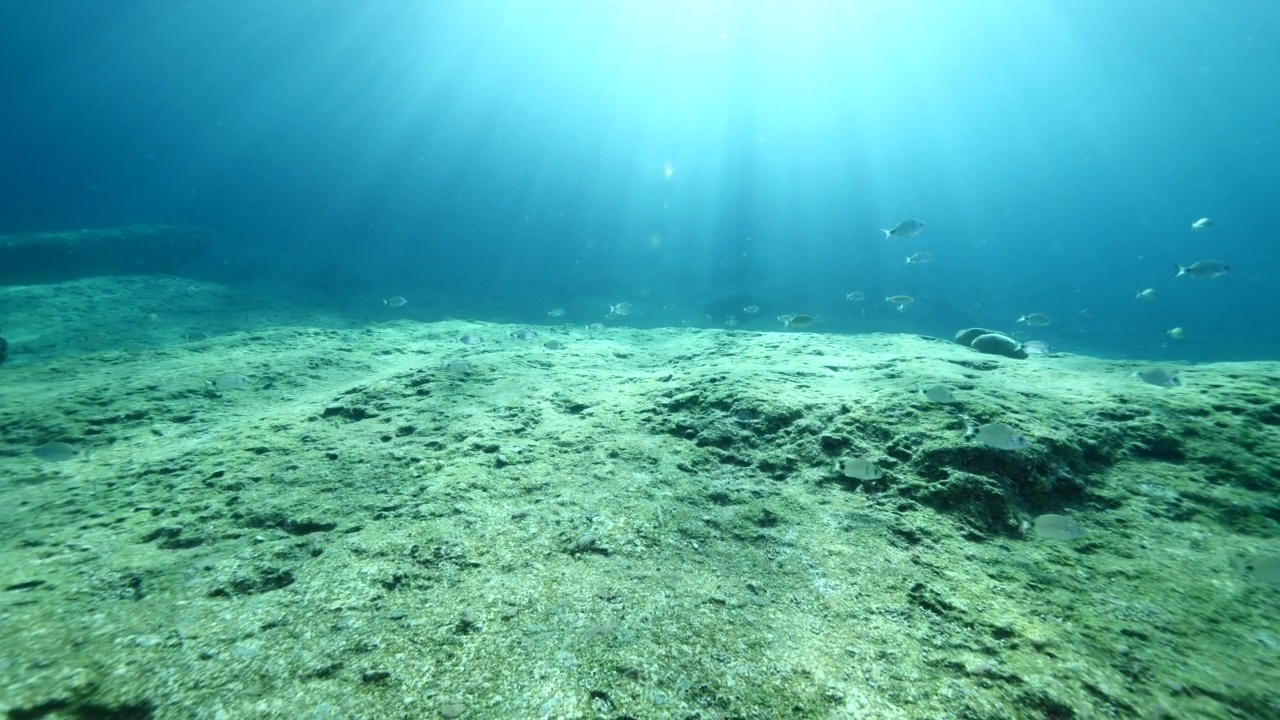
<point>639,524</point>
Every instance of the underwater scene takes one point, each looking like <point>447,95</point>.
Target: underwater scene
<point>617,360</point>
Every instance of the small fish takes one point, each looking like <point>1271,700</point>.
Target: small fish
<point>227,382</point>
<point>1158,376</point>
<point>556,312</point>
<point>1147,294</point>
<point>621,309</point>
<point>938,394</point>
<point>796,321</point>
<point>854,296</point>
<point>394,302</point>
<point>595,327</point>
<point>471,339</point>
<point>1035,347</point>
<point>1035,320</point>
<point>920,258</point>
<point>860,469</point>
<point>905,229</point>
<point>553,345</point>
<point>902,301</point>
<point>56,452</point>
<point>751,309</point>
<point>1001,437</point>
<point>1057,527</point>
<point>1201,224</point>
<point>1203,269</point>
<point>523,334</point>
<point>1177,333</point>
<point>458,366</point>
<point>730,321</point>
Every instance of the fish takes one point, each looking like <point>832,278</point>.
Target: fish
<point>751,309</point>
<point>1035,347</point>
<point>1158,376</point>
<point>621,309</point>
<point>902,301</point>
<point>1057,527</point>
<point>556,312</point>
<point>1201,224</point>
<point>471,339</point>
<point>395,302</point>
<point>854,296</point>
<point>523,334</point>
<point>458,366</point>
<point>1203,269</point>
<point>553,345</point>
<point>1177,333</point>
<point>919,258</point>
<point>228,382</point>
<point>905,229</point>
<point>1035,319</point>
<point>56,452</point>
<point>860,469</point>
<point>1147,294</point>
<point>938,394</point>
<point>1001,437</point>
<point>796,321</point>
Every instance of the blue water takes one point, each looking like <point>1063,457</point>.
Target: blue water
<point>499,159</point>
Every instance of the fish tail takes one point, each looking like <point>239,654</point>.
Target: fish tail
<point>1181,270</point>
<point>887,234</point>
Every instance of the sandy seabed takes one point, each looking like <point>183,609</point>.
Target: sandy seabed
<point>273,515</point>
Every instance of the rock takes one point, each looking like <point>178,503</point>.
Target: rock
<point>37,258</point>
<point>966,337</point>
<point>998,344</point>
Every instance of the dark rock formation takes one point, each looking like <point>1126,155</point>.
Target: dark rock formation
<point>37,258</point>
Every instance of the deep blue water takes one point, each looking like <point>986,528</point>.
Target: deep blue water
<point>497,159</point>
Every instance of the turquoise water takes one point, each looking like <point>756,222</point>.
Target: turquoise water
<point>507,158</point>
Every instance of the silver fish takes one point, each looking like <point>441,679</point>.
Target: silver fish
<point>1158,376</point>
<point>1203,269</point>
<point>1001,437</point>
<point>228,382</point>
<point>56,452</point>
<point>905,229</point>
<point>1035,319</point>
<point>1201,224</point>
<point>1057,527</point>
<point>920,258</point>
<point>396,301</point>
<point>860,469</point>
<point>938,394</point>
<point>621,309</point>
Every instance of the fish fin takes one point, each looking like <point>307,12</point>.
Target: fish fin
<point>887,234</point>
<point>908,259</point>
<point>1181,270</point>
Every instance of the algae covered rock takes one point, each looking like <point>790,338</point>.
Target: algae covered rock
<point>998,344</point>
